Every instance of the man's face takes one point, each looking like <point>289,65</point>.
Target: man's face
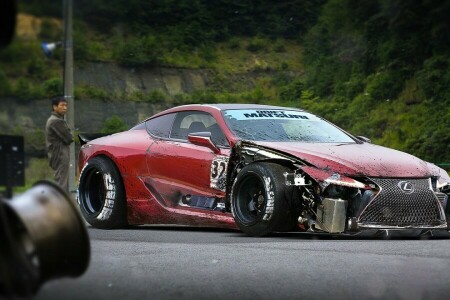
<point>61,108</point>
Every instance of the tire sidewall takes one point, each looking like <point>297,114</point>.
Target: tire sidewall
<point>112,213</point>
<point>267,173</point>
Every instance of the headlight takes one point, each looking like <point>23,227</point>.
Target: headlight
<point>443,185</point>
<point>338,179</point>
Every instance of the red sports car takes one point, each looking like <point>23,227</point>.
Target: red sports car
<point>261,169</point>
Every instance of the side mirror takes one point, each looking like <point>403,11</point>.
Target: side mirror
<point>363,139</point>
<point>203,139</point>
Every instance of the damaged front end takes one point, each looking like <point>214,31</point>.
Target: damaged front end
<point>335,203</point>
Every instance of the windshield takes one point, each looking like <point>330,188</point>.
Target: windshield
<point>282,126</point>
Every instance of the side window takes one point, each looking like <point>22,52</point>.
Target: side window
<point>160,126</point>
<point>193,121</point>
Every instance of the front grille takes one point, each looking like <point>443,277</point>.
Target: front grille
<point>394,207</point>
<point>442,198</point>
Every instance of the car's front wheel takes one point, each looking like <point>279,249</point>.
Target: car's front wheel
<point>101,194</point>
<point>261,202</point>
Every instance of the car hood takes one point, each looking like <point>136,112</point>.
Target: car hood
<point>355,159</point>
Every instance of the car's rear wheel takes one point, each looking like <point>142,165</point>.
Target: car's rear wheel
<point>261,202</point>
<point>101,194</point>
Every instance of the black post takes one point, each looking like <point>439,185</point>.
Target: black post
<point>12,163</point>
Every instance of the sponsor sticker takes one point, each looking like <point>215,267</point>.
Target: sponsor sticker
<point>270,115</point>
<point>218,172</point>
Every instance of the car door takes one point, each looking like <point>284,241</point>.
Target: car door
<point>180,169</point>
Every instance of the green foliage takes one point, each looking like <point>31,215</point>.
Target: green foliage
<point>49,31</point>
<point>374,70</point>
<point>136,96</point>
<point>180,99</point>
<point>234,43</point>
<point>36,68</point>
<point>434,78</point>
<point>377,68</point>
<point>155,96</point>
<point>139,51</point>
<point>34,139</point>
<point>81,49</point>
<point>37,169</point>
<point>383,85</point>
<point>350,88</point>
<point>207,53</point>
<point>291,92</point>
<point>278,46</point>
<point>86,91</point>
<point>23,90</point>
<point>53,87</point>
<point>202,20</point>
<point>113,125</point>
<point>256,44</point>
<point>5,86</point>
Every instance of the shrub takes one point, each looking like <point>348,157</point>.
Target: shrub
<point>234,43</point>
<point>291,91</point>
<point>53,87</point>
<point>22,89</point>
<point>208,53</point>
<point>256,44</point>
<point>203,96</point>
<point>49,30</point>
<point>351,87</point>
<point>36,68</point>
<point>284,66</point>
<point>180,99</point>
<point>279,47</point>
<point>143,51</point>
<point>113,125</point>
<point>90,92</point>
<point>136,96</point>
<point>434,77</point>
<point>384,85</point>
<point>5,87</point>
<point>155,96</point>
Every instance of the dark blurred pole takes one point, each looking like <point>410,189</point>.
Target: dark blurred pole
<point>7,21</point>
<point>7,29</point>
<point>68,85</point>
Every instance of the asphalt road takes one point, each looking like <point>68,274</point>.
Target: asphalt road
<point>190,263</point>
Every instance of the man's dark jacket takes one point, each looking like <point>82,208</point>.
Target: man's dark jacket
<point>57,139</point>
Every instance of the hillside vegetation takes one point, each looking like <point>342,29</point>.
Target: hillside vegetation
<point>377,68</point>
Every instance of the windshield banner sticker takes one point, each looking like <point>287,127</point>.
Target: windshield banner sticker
<point>269,114</point>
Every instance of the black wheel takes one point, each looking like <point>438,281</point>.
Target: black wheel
<point>101,195</point>
<point>261,202</point>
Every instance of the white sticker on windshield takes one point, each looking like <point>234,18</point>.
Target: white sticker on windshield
<point>269,115</point>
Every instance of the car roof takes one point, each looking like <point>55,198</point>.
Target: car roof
<point>220,107</point>
<point>226,106</point>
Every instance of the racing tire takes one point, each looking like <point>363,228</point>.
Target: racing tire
<point>101,194</point>
<point>261,202</point>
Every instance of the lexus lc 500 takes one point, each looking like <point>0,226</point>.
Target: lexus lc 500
<point>260,169</point>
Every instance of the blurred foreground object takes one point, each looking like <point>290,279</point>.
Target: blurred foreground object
<point>42,237</point>
<point>7,21</point>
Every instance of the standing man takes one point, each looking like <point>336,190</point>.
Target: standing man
<point>58,137</point>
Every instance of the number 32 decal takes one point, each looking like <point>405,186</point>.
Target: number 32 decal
<point>218,173</point>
